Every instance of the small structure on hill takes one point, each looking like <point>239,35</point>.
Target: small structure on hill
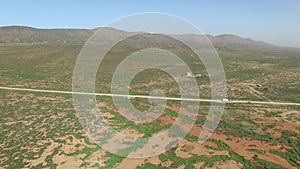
<point>258,85</point>
<point>190,74</point>
<point>225,100</point>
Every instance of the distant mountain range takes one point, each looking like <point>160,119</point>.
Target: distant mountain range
<point>21,34</point>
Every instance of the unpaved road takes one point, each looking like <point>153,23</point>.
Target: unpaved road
<point>152,97</point>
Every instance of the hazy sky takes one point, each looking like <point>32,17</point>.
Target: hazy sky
<point>273,21</point>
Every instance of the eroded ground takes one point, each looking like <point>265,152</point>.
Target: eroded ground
<point>41,130</point>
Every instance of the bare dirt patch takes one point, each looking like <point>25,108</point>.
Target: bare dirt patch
<point>132,163</point>
<point>282,121</point>
<point>230,164</point>
<point>199,165</point>
<point>132,133</point>
<point>240,146</point>
<point>68,162</point>
<point>187,149</point>
<point>48,151</point>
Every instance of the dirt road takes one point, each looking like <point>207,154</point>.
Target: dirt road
<point>152,97</point>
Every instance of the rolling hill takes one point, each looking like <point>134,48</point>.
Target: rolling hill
<point>21,34</point>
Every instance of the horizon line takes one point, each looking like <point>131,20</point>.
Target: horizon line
<point>94,28</point>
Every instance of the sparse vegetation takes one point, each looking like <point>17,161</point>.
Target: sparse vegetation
<point>38,129</point>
